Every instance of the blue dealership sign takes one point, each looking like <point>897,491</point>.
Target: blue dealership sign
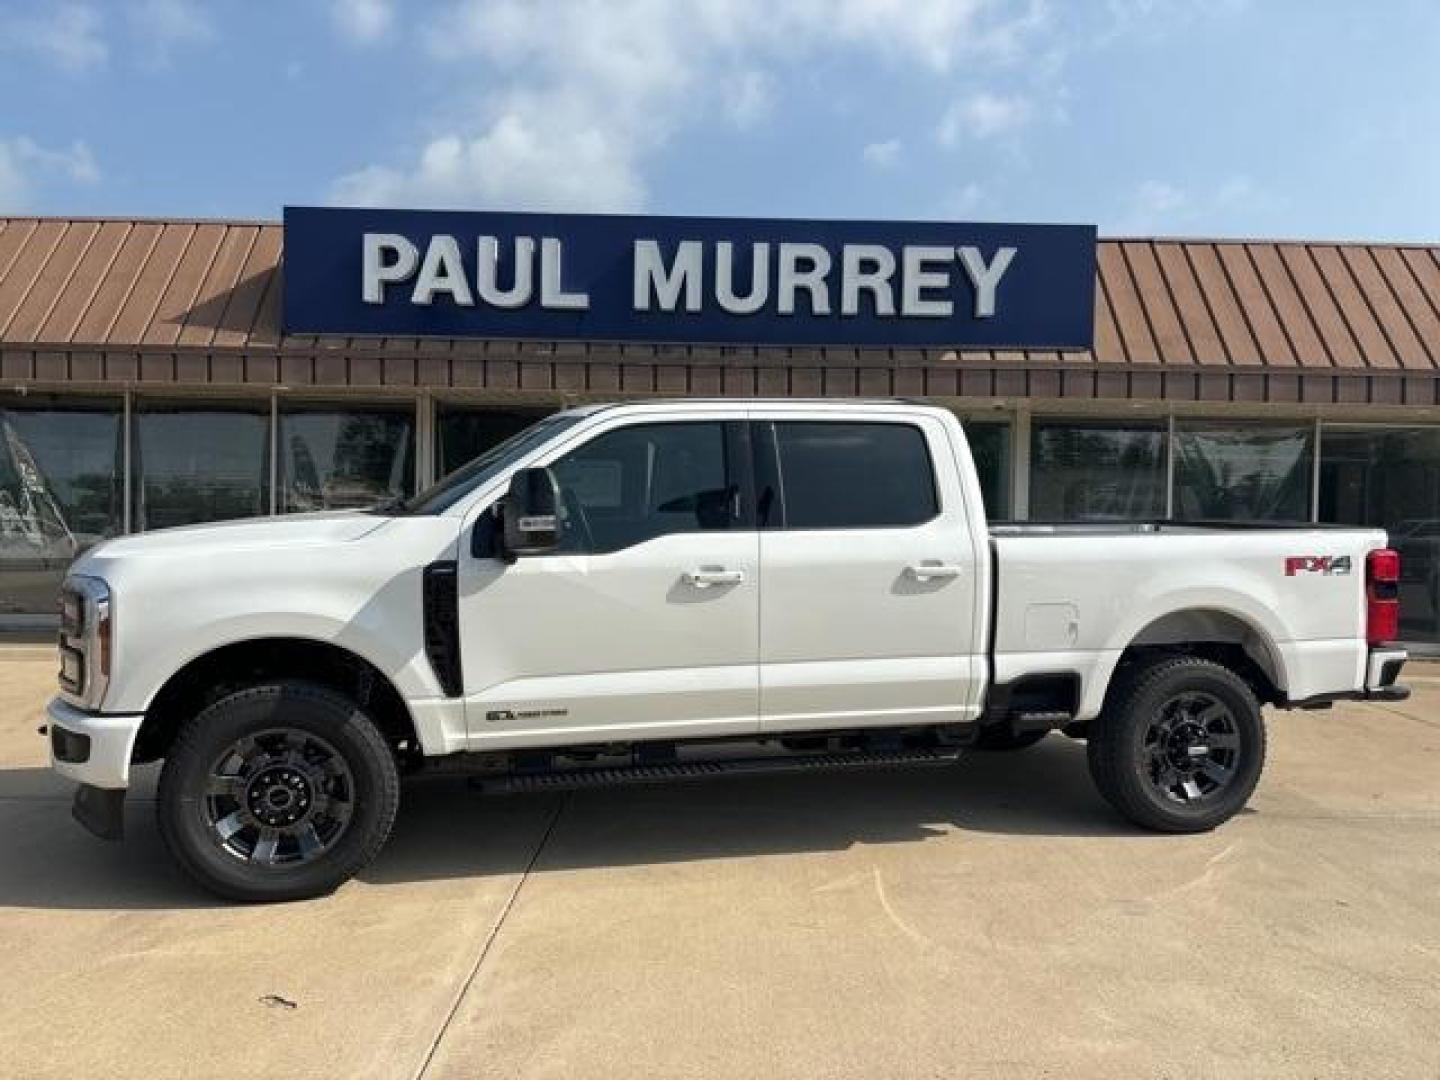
<point>730,281</point>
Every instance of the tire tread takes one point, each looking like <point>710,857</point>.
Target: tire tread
<point>1110,765</point>
<point>190,740</point>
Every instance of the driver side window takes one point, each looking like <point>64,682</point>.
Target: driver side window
<point>636,483</point>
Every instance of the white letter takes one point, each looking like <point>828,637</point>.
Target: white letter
<point>487,272</point>
<point>651,276</point>
<point>854,277</point>
<point>377,273</point>
<point>442,271</point>
<point>725,278</point>
<point>811,279</point>
<point>918,278</point>
<point>985,278</point>
<point>552,293</point>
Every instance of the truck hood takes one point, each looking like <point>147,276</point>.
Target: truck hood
<point>292,530</point>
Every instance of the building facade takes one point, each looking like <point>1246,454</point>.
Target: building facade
<point>145,382</point>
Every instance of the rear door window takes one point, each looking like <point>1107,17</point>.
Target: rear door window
<point>848,475</point>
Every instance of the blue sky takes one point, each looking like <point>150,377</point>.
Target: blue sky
<point>1307,118</point>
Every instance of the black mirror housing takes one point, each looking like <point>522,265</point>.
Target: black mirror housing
<point>532,513</point>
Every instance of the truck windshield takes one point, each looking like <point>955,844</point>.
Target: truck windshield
<point>475,473</point>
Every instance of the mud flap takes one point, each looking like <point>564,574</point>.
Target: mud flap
<point>101,810</point>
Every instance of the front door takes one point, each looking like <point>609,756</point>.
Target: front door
<point>644,623</point>
<point>870,616</point>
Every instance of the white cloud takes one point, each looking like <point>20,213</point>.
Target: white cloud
<point>983,115</point>
<point>68,35</point>
<point>1237,202</point>
<point>25,164</point>
<point>579,94</point>
<point>964,202</point>
<point>882,155</point>
<point>1156,198</point>
<point>362,21</point>
<point>161,26</point>
<point>583,171</point>
<point>748,98</point>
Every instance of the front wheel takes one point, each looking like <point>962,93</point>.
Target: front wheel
<point>1180,746</point>
<point>277,792</point>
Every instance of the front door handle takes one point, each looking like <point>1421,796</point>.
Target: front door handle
<point>707,576</point>
<point>934,571</point>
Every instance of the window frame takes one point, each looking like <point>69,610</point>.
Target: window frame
<point>770,474</point>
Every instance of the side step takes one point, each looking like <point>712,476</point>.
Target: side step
<point>669,772</point>
<point>1025,722</point>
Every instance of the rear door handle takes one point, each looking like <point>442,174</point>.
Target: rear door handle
<point>934,571</point>
<point>707,576</point>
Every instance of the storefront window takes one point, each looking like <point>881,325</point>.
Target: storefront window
<point>464,434</point>
<point>1390,478</point>
<point>990,447</point>
<point>60,493</point>
<point>1093,471</point>
<point>195,463</point>
<point>1243,471</point>
<point>333,459</point>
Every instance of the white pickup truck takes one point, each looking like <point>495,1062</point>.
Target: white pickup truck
<point>647,591</point>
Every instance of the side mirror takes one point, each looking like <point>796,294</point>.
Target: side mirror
<point>532,522</point>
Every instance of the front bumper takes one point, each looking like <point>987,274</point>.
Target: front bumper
<point>91,748</point>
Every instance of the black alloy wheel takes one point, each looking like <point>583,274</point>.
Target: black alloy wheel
<point>1179,746</point>
<point>279,797</point>
<point>1192,747</point>
<point>277,792</point>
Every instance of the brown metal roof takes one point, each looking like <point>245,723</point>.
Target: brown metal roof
<point>159,291</point>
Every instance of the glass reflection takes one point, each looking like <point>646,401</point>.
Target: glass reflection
<point>1088,471</point>
<point>1390,479</point>
<point>193,465</point>
<point>1243,472</point>
<point>333,459</point>
<point>462,435</point>
<point>990,447</point>
<point>60,493</point>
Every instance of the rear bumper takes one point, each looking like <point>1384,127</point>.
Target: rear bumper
<point>90,748</point>
<point>1382,670</point>
<point>1382,673</point>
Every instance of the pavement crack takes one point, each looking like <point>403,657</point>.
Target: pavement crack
<point>490,939</point>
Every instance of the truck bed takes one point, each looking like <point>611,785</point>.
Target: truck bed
<point>1292,596</point>
<point>1134,528</point>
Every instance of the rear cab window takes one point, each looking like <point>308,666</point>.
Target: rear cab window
<point>845,474</point>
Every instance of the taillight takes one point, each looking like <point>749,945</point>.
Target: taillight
<point>1382,596</point>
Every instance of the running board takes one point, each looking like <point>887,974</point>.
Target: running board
<point>670,772</point>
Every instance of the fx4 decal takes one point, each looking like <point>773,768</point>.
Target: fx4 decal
<point>1316,564</point>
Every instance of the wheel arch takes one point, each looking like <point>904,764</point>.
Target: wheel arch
<point>223,669</point>
<point>1218,633</point>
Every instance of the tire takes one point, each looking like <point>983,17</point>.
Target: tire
<point>277,792</point>
<point>1180,746</point>
<point>998,737</point>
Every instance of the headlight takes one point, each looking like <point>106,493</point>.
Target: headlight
<point>86,647</point>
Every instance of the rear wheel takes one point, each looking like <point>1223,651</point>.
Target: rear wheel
<point>277,792</point>
<point>1180,746</point>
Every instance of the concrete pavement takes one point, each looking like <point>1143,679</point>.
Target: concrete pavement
<point>991,919</point>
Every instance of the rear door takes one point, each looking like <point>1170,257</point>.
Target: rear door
<point>869,574</point>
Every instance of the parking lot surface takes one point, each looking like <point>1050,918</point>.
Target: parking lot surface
<point>993,918</point>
